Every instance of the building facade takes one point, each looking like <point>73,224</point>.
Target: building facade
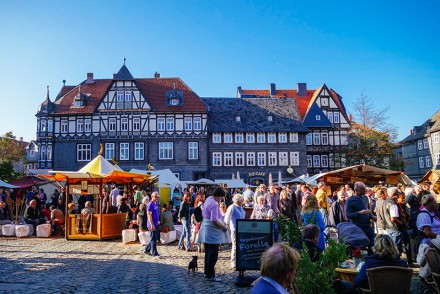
<point>323,113</point>
<point>255,137</point>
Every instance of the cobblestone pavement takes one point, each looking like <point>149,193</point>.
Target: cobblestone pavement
<point>55,265</point>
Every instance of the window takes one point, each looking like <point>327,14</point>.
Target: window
<point>269,118</point>
<point>124,153</point>
<point>425,143</point>
<point>43,153</point>
<point>109,150</point>
<point>324,138</point>
<point>188,123</point>
<point>50,125</point>
<point>250,138</point>
<point>165,150</point>
<point>309,139</point>
<point>136,124</point>
<point>437,158</point>
<point>344,139</point>
<point>79,126</point>
<point>216,159</point>
<point>112,124</point>
<point>216,138</point>
<point>283,159</point>
<point>261,158</point>
<point>318,117</point>
<point>324,160</point>
<point>420,144</point>
<point>436,137</point>
<point>336,117</point>
<point>272,158</point>
<point>282,137</point>
<point>64,126</point>
<point>83,152</point>
<point>316,161</point>
<point>271,138</point>
<point>331,160</point>
<point>293,137</point>
<point>227,138</point>
<point>193,150</point>
<point>421,162</point>
<point>127,96</point>
<point>120,96</point>
<point>228,158</point>
<point>294,158</point>
<point>239,159</point>
<point>250,158</point>
<point>428,161</point>
<point>261,138</point>
<point>330,116</point>
<point>197,124</point>
<point>238,118</point>
<point>316,139</point>
<point>32,153</point>
<point>139,151</point>
<point>161,124</point>
<point>309,161</point>
<point>124,124</point>
<point>239,138</point>
<point>49,153</point>
<point>170,123</point>
<point>43,126</point>
<point>88,125</point>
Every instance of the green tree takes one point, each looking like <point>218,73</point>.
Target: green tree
<point>10,149</point>
<point>371,139</point>
<point>7,171</point>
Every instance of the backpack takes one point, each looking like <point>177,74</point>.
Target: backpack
<point>419,235</point>
<point>198,214</point>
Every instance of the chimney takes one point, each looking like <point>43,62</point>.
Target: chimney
<point>272,89</point>
<point>21,139</point>
<point>411,131</point>
<point>156,75</point>
<point>114,76</point>
<point>302,89</point>
<point>89,78</point>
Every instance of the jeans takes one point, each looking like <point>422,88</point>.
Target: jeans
<point>151,247</point>
<point>186,234</point>
<point>370,234</point>
<point>233,248</point>
<point>211,257</point>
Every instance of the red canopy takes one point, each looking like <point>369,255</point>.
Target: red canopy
<point>27,181</point>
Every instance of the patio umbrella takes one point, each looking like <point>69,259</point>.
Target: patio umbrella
<point>280,179</point>
<point>238,175</point>
<point>270,178</point>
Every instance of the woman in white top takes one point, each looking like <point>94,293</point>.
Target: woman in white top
<point>234,212</point>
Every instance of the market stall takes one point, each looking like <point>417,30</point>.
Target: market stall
<point>432,176</point>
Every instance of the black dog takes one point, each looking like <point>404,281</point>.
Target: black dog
<point>192,266</point>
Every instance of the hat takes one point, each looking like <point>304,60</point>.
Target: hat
<point>436,242</point>
<point>219,192</point>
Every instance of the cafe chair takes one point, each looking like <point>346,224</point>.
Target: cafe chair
<point>389,279</point>
<point>433,260</point>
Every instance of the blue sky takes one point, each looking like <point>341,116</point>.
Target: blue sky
<point>386,49</point>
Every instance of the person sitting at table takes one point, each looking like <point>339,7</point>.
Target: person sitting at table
<point>385,254</point>
<point>310,237</point>
<point>56,219</point>
<point>88,209</point>
<point>131,219</point>
<point>3,220</point>
<point>165,220</point>
<point>32,215</point>
<point>123,207</point>
<point>71,208</point>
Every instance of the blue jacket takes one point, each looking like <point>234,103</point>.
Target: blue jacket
<point>353,205</point>
<point>372,261</point>
<point>264,287</point>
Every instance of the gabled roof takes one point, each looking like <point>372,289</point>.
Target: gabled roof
<point>420,132</point>
<point>123,74</point>
<point>64,90</point>
<point>311,121</point>
<point>253,114</point>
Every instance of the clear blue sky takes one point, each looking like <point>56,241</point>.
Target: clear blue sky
<point>389,51</point>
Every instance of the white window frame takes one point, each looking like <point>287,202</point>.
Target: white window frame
<point>272,158</point>
<point>166,151</point>
<point>261,159</point>
<point>293,137</point>
<point>124,124</point>
<point>228,158</point>
<point>193,150</point>
<point>161,124</point>
<point>139,150</point>
<point>80,125</point>
<point>120,96</point>
<point>136,124</point>
<point>436,138</point>
<point>50,125</point>
<point>216,138</point>
<point>64,126</point>
<point>331,160</point>
<point>309,139</point>
<point>316,161</point>
<point>112,124</point>
<point>428,161</point>
<point>250,158</point>
<point>197,121</point>
<point>421,162</point>
<point>420,144</point>
<point>87,125</point>
<point>294,158</point>
<point>188,124</point>
<point>324,138</point>
<point>124,151</point>
<point>170,123</point>
<point>43,155</point>
<point>437,158</point>
<point>83,152</point>
<point>309,161</point>
<point>283,159</point>
<point>239,138</point>
<point>239,159</point>
<point>425,143</point>
<point>128,96</point>
<point>49,152</point>
<point>318,117</point>
<point>43,125</point>
<point>330,116</point>
<point>216,159</point>
<point>261,138</point>
<point>324,160</point>
<point>109,150</point>
<point>271,137</point>
<point>316,139</point>
<point>227,138</point>
<point>250,138</point>
<point>336,117</point>
<point>282,137</point>
<point>32,153</point>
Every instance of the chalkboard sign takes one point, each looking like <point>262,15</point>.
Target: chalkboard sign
<point>253,237</point>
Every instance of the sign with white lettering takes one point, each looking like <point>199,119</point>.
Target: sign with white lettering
<point>253,237</point>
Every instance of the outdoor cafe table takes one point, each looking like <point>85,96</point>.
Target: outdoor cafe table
<point>347,274</point>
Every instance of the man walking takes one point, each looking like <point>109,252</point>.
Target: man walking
<point>184,217</point>
<point>338,210</point>
<point>392,218</point>
<point>153,223</point>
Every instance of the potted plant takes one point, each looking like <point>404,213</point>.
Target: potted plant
<point>289,230</point>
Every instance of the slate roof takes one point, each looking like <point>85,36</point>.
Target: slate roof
<point>47,106</point>
<point>123,74</point>
<point>420,132</point>
<point>311,121</point>
<point>253,113</point>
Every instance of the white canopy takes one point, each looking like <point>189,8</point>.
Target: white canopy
<point>202,181</point>
<point>166,176</point>
<point>232,183</point>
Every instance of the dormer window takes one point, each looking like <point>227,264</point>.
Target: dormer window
<point>78,104</point>
<point>318,117</point>
<point>174,98</point>
<point>270,118</point>
<point>80,100</point>
<point>174,101</point>
<point>238,118</point>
